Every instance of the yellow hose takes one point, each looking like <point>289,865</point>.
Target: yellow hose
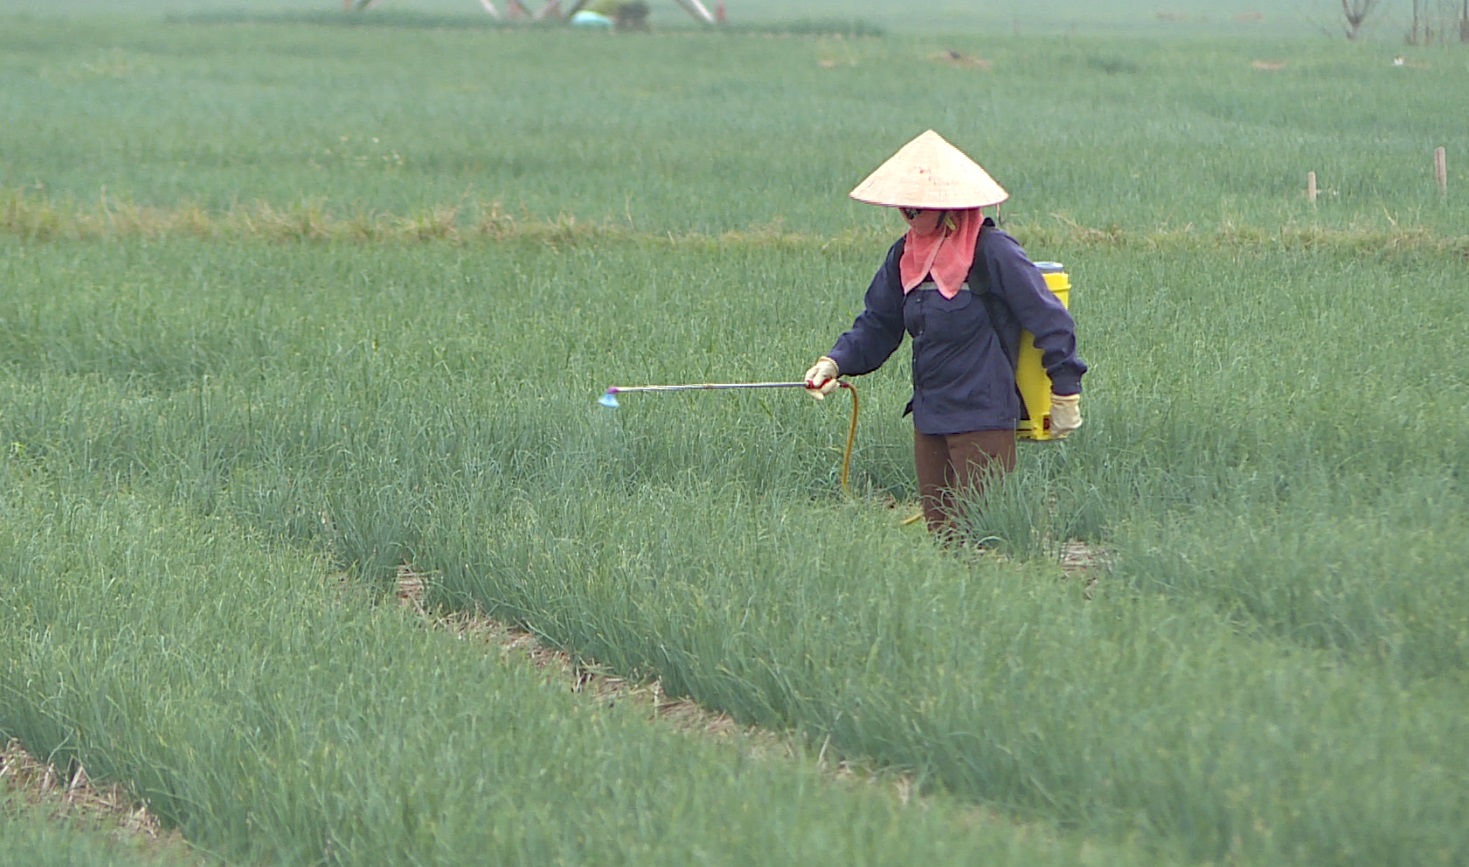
<point>851,439</point>
<point>847,455</point>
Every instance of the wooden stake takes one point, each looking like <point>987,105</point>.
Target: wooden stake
<point>1311,187</point>
<point>1441,170</point>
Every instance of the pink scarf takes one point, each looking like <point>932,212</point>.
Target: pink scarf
<point>946,254</point>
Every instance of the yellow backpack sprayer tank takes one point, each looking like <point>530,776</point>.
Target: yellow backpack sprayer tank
<point>1030,376</point>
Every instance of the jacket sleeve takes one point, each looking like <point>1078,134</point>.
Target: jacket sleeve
<point>878,330</point>
<point>1020,285</point>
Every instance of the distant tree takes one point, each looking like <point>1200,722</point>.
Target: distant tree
<point>1357,12</point>
<point>1437,21</point>
<point>1418,29</point>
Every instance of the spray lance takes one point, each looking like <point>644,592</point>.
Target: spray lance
<point>609,399</point>
<point>1031,382</point>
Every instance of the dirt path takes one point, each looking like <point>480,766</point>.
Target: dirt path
<point>73,799</point>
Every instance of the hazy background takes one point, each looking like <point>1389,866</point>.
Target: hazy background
<point>1321,18</point>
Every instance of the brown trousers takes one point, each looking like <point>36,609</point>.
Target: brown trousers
<point>955,466</point>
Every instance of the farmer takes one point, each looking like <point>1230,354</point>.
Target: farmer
<point>963,289</point>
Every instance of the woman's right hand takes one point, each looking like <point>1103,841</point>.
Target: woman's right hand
<point>821,379</point>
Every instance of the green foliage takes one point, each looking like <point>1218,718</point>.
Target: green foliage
<point>384,404</point>
<point>678,134</point>
<point>274,717</point>
<point>315,326</point>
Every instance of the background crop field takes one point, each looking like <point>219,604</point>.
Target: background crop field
<point>294,299</point>
<point>1097,131</point>
<point>1032,17</point>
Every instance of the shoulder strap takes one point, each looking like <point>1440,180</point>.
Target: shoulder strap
<point>979,284</point>
<point>979,269</point>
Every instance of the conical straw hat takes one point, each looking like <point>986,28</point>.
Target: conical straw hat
<point>928,172</point>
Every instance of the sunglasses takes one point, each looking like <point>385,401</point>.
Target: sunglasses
<point>910,213</point>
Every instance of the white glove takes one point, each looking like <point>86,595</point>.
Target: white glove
<point>821,379</point>
<point>1065,414</point>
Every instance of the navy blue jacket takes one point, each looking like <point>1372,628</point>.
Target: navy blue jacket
<point>965,348</point>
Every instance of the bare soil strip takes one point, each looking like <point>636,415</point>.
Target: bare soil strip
<point>73,798</point>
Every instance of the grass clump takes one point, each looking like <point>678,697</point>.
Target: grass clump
<point>305,334</point>
<point>273,715</point>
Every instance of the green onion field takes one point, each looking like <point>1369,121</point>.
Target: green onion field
<point>293,299</point>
